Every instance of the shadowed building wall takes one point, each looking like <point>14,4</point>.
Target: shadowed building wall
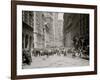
<point>75,25</point>
<point>27,29</point>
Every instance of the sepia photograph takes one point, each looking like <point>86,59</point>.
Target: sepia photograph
<point>54,39</point>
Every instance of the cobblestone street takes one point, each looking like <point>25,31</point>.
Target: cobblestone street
<point>56,61</point>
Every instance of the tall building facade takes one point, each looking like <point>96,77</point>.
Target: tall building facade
<point>54,25</point>
<point>38,32</point>
<point>58,25</point>
<point>48,28</point>
<point>42,29</point>
<point>27,29</point>
<point>75,25</point>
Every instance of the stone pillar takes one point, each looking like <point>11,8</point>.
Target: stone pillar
<point>35,31</point>
<point>28,43</point>
<point>54,28</point>
<point>24,42</point>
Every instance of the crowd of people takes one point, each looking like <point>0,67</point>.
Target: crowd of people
<point>49,51</point>
<point>81,45</point>
<point>27,54</point>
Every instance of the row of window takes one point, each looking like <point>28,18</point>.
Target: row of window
<point>28,17</point>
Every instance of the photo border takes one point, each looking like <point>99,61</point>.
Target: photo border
<point>14,39</point>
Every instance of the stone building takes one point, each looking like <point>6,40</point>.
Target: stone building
<point>58,25</point>
<point>27,29</point>
<point>38,30</point>
<point>42,29</point>
<point>49,27</point>
<point>54,25</point>
<point>75,25</point>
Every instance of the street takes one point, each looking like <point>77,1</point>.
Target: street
<point>56,61</point>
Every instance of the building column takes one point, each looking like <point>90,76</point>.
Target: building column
<point>54,28</point>
<point>24,42</point>
<point>35,31</point>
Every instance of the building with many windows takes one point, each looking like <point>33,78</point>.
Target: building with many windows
<point>27,29</point>
<point>47,29</point>
<point>42,29</point>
